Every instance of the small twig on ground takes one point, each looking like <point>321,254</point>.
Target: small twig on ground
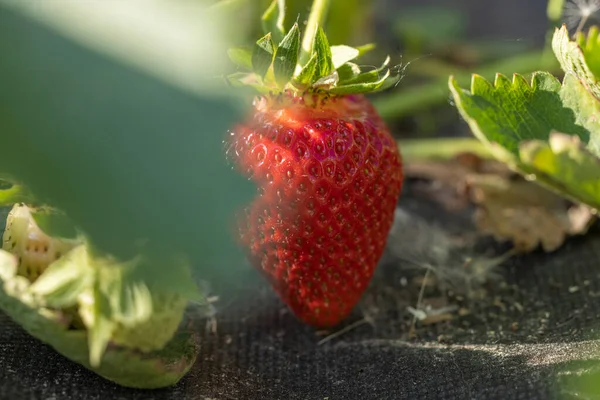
<point>346,329</point>
<point>411,332</point>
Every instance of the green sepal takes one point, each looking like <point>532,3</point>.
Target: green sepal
<point>342,54</point>
<point>241,57</point>
<point>370,76</point>
<point>348,71</point>
<point>324,68</point>
<point>286,56</point>
<point>305,76</point>
<point>273,20</point>
<point>247,80</point>
<point>382,83</point>
<point>321,48</point>
<point>262,55</point>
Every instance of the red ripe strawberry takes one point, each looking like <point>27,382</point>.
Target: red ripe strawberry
<point>329,175</point>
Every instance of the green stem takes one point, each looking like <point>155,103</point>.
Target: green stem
<point>440,148</point>
<point>402,102</point>
<point>318,13</point>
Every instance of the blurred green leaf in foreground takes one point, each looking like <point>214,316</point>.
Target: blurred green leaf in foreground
<point>115,115</point>
<point>118,121</point>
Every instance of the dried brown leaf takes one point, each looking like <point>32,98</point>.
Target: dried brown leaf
<point>508,206</point>
<point>525,213</point>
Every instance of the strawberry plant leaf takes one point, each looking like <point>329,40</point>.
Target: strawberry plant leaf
<point>579,57</point>
<point>342,54</point>
<point>590,46</point>
<point>273,20</point>
<point>155,155</point>
<point>324,57</point>
<point>507,115</point>
<point>286,56</point>
<point>565,162</point>
<point>262,55</point>
<point>241,57</point>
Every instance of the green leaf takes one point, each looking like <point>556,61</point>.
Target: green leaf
<point>54,222</point>
<point>65,280</point>
<point>342,54</point>
<point>273,19</point>
<point>241,57</point>
<point>507,116</point>
<point>286,56</point>
<point>564,161</point>
<point>262,55</point>
<point>348,71</point>
<point>582,62</point>
<point>324,57</point>
<point>590,46</point>
<point>305,76</point>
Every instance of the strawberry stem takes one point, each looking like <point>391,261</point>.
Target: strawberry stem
<point>316,18</point>
<point>440,148</point>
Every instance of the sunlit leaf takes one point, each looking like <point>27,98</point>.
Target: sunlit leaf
<point>517,121</point>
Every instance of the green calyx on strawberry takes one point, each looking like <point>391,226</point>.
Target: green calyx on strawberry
<point>328,171</point>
